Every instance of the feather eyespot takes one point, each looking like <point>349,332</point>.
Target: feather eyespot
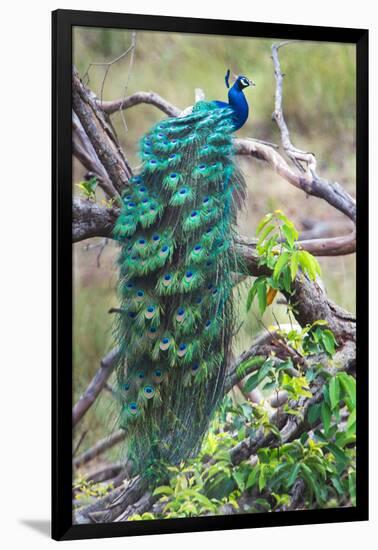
<point>150,312</point>
<point>182,350</point>
<point>165,343</point>
<point>133,407</point>
<point>148,391</point>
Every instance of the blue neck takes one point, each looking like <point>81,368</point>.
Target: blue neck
<point>238,103</point>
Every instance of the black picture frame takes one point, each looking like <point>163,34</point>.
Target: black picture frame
<point>62,23</point>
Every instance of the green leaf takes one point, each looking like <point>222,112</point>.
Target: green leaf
<point>239,478</point>
<point>248,364</point>
<point>339,454</point>
<point>310,480</point>
<point>265,232</point>
<point>334,392</point>
<point>337,484</point>
<point>281,263</point>
<point>293,475</point>
<point>251,481</point>
<point>252,382</point>
<point>266,219</point>
<point>294,263</point>
<point>309,264</point>
<point>325,415</point>
<point>264,370</point>
<point>163,490</point>
<point>262,476</point>
<point>328,341</point>
<point>290,233</point>
<point>313,413</point>
<point>349,385</point>
<point>352,487</point>
<point>261,296</point>
<point>351,422</point>
<point>251,296</point>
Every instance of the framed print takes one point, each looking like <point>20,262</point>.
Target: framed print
<point>210,190</point>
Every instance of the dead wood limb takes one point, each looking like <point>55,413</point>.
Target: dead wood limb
<point>100,135</point>
<point>333,193</point>
<point>150,98</point>
<point>100,447</point>
<point>89,219</point>
<point>106,473</point>
<point>95,386</point>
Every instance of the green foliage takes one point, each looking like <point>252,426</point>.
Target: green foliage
<point>278,250</point>
<point>88,188</point>
<point>86,490</point>
<point>324,462</point>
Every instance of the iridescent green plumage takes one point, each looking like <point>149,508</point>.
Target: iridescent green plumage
<point>176,263</point>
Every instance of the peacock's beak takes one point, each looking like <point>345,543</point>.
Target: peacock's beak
<point>251,83</point>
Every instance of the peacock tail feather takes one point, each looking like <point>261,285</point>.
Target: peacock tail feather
<point>176,261</point>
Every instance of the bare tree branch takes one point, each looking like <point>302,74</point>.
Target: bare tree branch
<point>100,135</point>
<point>95,386</point>
<point>89,219</point>
<point>334,194</point>
<point>100,447</point>
<point>151,98</point>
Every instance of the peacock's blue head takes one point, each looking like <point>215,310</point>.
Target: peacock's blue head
<point>240,81</point>
<point>243,82</point>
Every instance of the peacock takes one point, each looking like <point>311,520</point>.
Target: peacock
<point>176,319</point>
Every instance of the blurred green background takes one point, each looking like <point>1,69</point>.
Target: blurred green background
<point>319,106</point>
